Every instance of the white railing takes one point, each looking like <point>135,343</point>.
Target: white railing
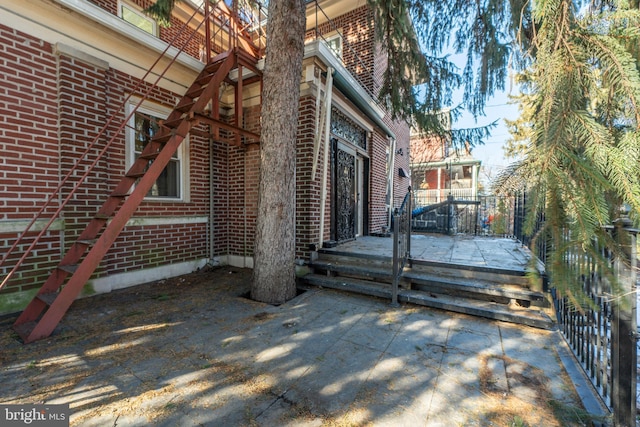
<point>429,197</point>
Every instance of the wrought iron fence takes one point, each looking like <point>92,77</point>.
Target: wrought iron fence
<point>602,333</point>
<point>401,242</point>
<point>498,216</point>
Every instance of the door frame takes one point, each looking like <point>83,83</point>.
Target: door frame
<point>361,188</point>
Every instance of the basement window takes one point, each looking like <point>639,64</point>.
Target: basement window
<point>142,126</point>
<point>134,15</point>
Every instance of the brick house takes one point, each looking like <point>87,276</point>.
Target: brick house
<point>439,170</point>
<point>79,111</point>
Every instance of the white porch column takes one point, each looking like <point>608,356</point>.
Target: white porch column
<point>474,181</point>
<point>439,184</point>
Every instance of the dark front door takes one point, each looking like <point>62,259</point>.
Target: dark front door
<point>345,219</point>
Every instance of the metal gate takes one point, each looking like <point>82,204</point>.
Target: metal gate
<point>345,202</point>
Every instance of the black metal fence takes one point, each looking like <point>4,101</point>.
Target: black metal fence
<point>602,333</point>
<point>401,242</point>
<point>602,329</point>
<point>500,216</point>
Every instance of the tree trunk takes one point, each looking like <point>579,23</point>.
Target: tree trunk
<point>274,253</point>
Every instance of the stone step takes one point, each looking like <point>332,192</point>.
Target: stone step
<point>353,258</point>
<point>490,310</point>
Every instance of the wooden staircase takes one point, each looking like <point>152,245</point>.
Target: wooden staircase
<point>66,281</point>
<point>480,291</point>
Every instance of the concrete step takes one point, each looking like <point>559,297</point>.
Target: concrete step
<point>490,310</point>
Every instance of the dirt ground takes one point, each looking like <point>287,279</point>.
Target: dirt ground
<point>123,337</point>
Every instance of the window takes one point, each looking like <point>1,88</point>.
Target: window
<point>135,16</point>
<point>334,42</point>
<point>171,184</point>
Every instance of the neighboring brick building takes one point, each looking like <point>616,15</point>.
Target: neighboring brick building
<point>439,170</point>
<point>73,83</point>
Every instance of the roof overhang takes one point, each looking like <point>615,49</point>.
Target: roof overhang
<point>318,12</point>
<point>446,163</point>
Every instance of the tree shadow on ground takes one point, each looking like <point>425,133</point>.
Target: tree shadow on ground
<point>192,351</point>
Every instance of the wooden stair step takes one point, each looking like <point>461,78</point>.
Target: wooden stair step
<point>24,330</point>
<point>473,287</point>
<point>135,175</point>
<point>172,124</point>
<point>162,138</point>
<point>87,242</point>
<point>183,108</point>
<point>48,298</point>
<point>149,156</point>
<point>534,318</point>
<point>196,92</point>
<point>68,268</point>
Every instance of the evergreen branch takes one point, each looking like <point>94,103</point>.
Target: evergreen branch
<point>620,69</point>
<point>161,10</point>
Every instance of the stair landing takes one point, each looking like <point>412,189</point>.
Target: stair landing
<point>473,251</point>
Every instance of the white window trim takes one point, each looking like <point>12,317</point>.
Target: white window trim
<point>336,35</point>
<point>97,14</point>
<point>161,112</point>
<point>138,11</point>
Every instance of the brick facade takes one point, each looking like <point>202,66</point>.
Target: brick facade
<point>53,107</point>
<point>55,102</point>
<point>366,60</point>
<point>29,169</point>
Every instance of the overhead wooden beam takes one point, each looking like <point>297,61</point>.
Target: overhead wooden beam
<point>215,122</point>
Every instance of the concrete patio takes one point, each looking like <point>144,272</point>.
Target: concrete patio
<point>193,351</point>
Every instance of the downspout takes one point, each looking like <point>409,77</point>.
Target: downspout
<point>211,204</point>
<point>316,140</point>
<point>244,208</point>
<point>325,167</point>
<point>391,169</point>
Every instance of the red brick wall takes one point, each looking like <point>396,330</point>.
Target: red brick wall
<point>307,187</point>
<point>357,28</point>
<point>170,243</point>
<point>81,109</point>
<point>402,133</point>
<point>241,178</point>
<point>28,149</point>
<point>378,178</point>
<point>220,197</point>
<point>51,109</point>
<point>358,51</point>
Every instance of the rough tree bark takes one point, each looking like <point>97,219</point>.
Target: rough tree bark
<point>274,253</point>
